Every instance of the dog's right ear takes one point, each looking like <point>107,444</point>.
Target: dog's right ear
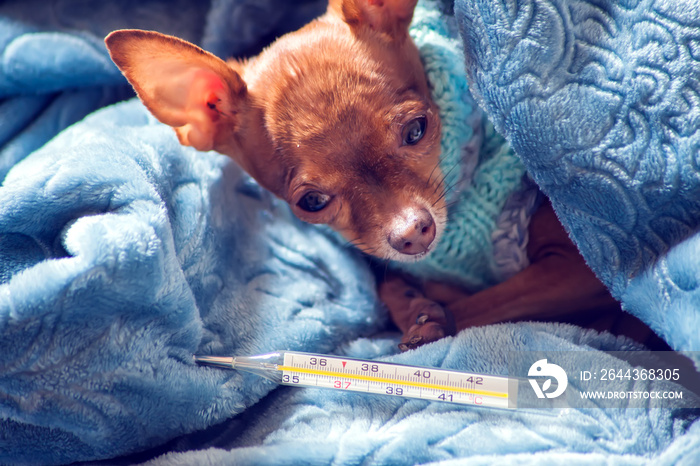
<point>183,86</point>
<point>391,17</point>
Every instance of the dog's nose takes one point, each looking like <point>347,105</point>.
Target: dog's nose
<point>413,231</point>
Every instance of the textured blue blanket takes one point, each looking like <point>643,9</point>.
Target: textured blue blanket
<point>601,100</point>
<point>122,253</point>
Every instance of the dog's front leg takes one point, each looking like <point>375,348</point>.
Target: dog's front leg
<point>551,288</point>
<point>557,283</point>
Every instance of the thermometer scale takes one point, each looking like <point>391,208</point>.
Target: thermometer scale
<point>367,376</point>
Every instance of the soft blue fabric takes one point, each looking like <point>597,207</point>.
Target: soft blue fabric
<point>122,253</point>
<point>308,426</point>
<point>600,98</point>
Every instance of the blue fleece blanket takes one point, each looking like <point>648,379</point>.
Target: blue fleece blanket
<point>601,101</point>
<point>122,253</point>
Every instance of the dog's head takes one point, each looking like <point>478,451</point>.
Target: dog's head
<point>335,118</point>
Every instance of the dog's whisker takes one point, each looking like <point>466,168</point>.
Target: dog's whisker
<point>447,190</point>
<point>448,205</point>
<point>355,242</point>
<point>428,183</point>
<point>443,178</point>
<point>448,172</point>
<point>444,193</point>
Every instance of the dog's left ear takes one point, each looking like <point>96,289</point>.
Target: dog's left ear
<point>391,17</point>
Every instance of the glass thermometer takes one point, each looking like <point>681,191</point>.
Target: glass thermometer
<point>367,376</point>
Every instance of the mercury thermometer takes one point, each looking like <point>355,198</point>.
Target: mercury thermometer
<point>367,376</point>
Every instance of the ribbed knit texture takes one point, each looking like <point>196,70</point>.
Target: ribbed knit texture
<point>481,180</point>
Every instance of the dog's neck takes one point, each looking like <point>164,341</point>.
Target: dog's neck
<point>481,171</point>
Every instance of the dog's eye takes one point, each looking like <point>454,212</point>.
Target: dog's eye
<point>414,131</point>
<point>313,201</point>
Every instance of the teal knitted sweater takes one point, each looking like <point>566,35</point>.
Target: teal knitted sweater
<point>485,236</point>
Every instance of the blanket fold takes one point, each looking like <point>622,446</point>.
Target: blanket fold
<point>598,100</point>
<point>111,246</point>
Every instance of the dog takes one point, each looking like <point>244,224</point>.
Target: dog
<point>337,119</point>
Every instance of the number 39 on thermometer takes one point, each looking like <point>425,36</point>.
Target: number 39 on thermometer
<point>339,373</point>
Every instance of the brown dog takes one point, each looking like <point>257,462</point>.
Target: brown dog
<point>337,119</point>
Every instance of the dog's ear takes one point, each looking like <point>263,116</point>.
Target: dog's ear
<point>183,86</point>
<point>391,17</point>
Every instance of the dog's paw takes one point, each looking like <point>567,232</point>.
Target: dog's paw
<point>421,319</point>
<point>432,322</point>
